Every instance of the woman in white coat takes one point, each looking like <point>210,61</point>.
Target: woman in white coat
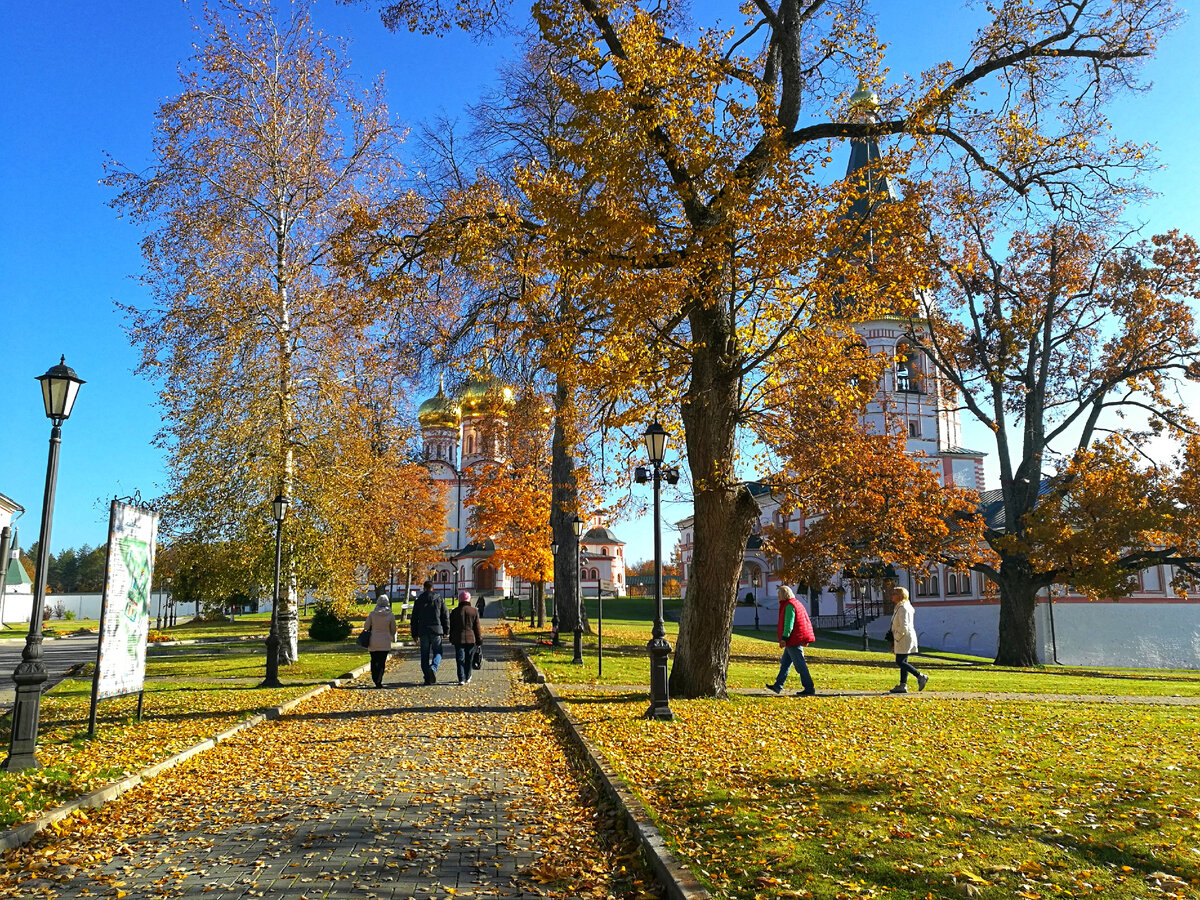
<point>904,641</point>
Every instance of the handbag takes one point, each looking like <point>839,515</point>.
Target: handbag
<point>477,658</point>
<point>889,637</point>
<point>364,638</point>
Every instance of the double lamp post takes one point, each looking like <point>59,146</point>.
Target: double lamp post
<point>658,647</point>
<point>60,386</point>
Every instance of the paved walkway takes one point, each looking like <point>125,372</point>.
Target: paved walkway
<point>407,791</point>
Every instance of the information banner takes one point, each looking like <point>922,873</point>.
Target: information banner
<point>121,661</point>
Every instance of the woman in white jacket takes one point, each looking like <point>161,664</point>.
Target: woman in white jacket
<point>904,641</point>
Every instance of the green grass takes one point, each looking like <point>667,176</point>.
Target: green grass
<point>754,660</point>
<point>886,797</point>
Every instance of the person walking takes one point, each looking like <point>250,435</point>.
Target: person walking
<point>904,641</point>
<point>795,632</point>
<point>430,622</point>
<point>382,626</point>
<point>465,635</point>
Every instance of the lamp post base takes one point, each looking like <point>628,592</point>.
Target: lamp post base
<point>272,677</point>
<point>578,660</point>
<point>27,704</point>
<point>660,701</point>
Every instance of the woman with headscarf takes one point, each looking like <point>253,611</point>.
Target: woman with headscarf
<point>465,635</point>
<point>381,624</point>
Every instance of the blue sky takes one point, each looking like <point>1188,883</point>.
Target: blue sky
<point>84,79</point>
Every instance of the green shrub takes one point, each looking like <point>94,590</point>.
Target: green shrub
<point>327,624</point>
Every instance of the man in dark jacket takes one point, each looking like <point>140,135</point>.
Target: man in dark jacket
<point>430,622</point>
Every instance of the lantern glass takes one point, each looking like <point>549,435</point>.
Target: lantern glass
<point>656,441</point>
<point>554,547</point>
<point>578,526</point>
<point>60,385</point>
<point>279,507</point>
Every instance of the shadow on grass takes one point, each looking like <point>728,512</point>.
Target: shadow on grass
<point>870,847</point>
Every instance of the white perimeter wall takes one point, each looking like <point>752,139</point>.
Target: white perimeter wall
<point>1136,634</point>
<point>1125,633</point>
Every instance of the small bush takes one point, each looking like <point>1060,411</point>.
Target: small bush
<point>69,615</point>
<point>327,624</point>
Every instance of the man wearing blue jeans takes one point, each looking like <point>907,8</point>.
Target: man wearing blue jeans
<point>795,631</point>
<point>429,624</point>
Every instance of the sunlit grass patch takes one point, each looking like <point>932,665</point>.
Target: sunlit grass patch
<point>883,797</point>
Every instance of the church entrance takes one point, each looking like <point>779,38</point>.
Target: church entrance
<point>485,578</point>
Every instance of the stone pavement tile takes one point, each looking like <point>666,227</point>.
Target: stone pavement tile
<point>402,792</point>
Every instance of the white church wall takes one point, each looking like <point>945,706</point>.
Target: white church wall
<point>1133,633</point>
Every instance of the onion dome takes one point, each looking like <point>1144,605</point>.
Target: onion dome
<point>864,100</point>
<point>486,395</point>
<point>439,411</point>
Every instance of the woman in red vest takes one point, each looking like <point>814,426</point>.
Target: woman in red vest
<point>795,632</point>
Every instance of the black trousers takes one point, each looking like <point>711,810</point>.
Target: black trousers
<point>378,661</point>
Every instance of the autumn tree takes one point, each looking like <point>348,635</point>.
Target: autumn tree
<point>255,335</point>
<point>1067,343</point>
<point>859,493</point>
<point>708,228</point>
<point>510,501</point>
<point>528,324</point>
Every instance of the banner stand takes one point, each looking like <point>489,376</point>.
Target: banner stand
<point>133,575</point>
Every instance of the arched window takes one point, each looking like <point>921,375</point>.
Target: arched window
<point>583,574</point>
<point>595,574</point>
<point>908,368</point>
<point>604,551</point>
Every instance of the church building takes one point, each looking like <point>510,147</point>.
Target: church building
<point>461,434</point>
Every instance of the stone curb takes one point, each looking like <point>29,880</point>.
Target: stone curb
<point>679,882</point>
<point>22,834</point>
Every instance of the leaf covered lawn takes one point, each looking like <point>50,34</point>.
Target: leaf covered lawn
<point>889,798</point>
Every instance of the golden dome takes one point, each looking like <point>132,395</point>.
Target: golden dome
<point>864,98</point>
<point>439,411</point>
<point>486,395</point>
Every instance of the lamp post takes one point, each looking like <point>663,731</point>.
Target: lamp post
<point>658,647</point>
<point>554,618</point>
<point>60,386</point>
<point>578,523</point>
<point>755,582</point>
<point>279,509</point>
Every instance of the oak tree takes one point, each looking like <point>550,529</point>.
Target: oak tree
<point>697,223</point>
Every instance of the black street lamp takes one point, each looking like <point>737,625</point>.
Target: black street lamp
<point>658,647</point>
<point>578,523</point>
<point>60,386</point>
<point>554,618</point>
<point>279,509</point>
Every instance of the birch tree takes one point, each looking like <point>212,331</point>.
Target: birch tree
<point>255,336</point>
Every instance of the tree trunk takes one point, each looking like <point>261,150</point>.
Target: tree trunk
<point>289,622</point>
<point>563,503</point>
<point>725,511</point>
<point>1017,641</point>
